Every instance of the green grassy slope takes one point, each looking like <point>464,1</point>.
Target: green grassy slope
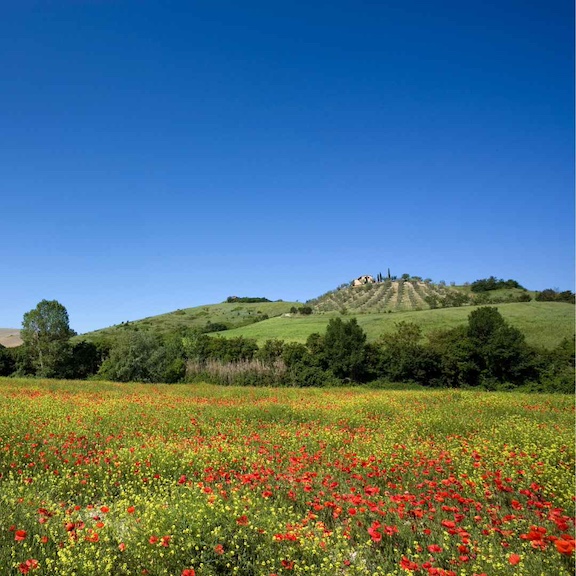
<point>233,315</point>
<point>545,324</point>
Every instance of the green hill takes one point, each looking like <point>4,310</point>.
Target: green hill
<point>233,315</point>
<point>545,324</point>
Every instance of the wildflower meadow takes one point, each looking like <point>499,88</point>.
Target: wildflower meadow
<point>198,480</point>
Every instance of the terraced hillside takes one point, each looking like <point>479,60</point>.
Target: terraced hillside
<point>390,295</point>
<point>232,315</point>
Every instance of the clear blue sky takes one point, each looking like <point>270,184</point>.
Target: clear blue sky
<point>162,155</point>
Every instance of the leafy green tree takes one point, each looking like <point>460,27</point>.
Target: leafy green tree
<point>499,350</point>
<point>454,351</point>
<point>344,349</point>
<point>404,357</point>
<point>46,337</point>
<point>138,356</point>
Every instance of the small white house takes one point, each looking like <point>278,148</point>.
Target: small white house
<point>362,280</point>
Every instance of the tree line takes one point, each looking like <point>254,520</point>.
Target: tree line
<point>487,352</point>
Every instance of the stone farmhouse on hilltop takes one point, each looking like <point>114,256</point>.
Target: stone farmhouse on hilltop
<point>362,280</point>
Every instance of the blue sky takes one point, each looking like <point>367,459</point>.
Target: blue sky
<point>162,155</point>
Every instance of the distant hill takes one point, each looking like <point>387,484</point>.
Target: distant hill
<point>209,318</point>
<point>10,337</point>
<point>545,324</point>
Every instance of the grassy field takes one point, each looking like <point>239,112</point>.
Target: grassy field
<point>233,314</point>
<point>205,481</point>
<point>545,324</point>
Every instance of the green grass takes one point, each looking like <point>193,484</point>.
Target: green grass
<point>233,314</point>
<point>545,324</point>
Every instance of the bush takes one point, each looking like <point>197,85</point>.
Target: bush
<point>493,283</point>
<point>550,295</point>
<point>246,299</point>
<point>215,327</point>
<point>142,357</point>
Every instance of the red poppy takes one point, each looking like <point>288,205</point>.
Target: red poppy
<point>288,564</point>
<point>153,539</point>
<point>104,509</point>
<point>242,521</point>
<point>219,549</point>
<point>565,544</point>
<point>514,559</point>
<point>20,535</point>
<point>25,567</point>
<point>188,572</point>
<point>130,509</point>
<point>407,564</point>
<point>434,548</point>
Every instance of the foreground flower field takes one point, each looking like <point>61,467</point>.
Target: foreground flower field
<point>109,479</point>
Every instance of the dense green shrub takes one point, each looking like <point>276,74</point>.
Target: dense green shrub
<point>550,295</point>
<point>493,283</point>
<point>246,299</point>
<point>138,356</point>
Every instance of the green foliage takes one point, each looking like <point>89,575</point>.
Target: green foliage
<point>493,283</point>
<point>270,351</point>
<point>246,299</point>
<point>7,361</point>
<point>403,357</point>
<point>550,295</point>
<point>499,350</point>
<point>294,353</point>
<point>215,327</point>
<point>557,369</point>
<point>201,347</point>
<point>454,299</point>
<point>46,338</point>
<point>343,349</point>
<point>141,357</point>
<point>454,351</point>
<point>85,359</point>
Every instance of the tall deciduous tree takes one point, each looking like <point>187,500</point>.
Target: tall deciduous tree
<point>46,334</point>
<point>344,349</point>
